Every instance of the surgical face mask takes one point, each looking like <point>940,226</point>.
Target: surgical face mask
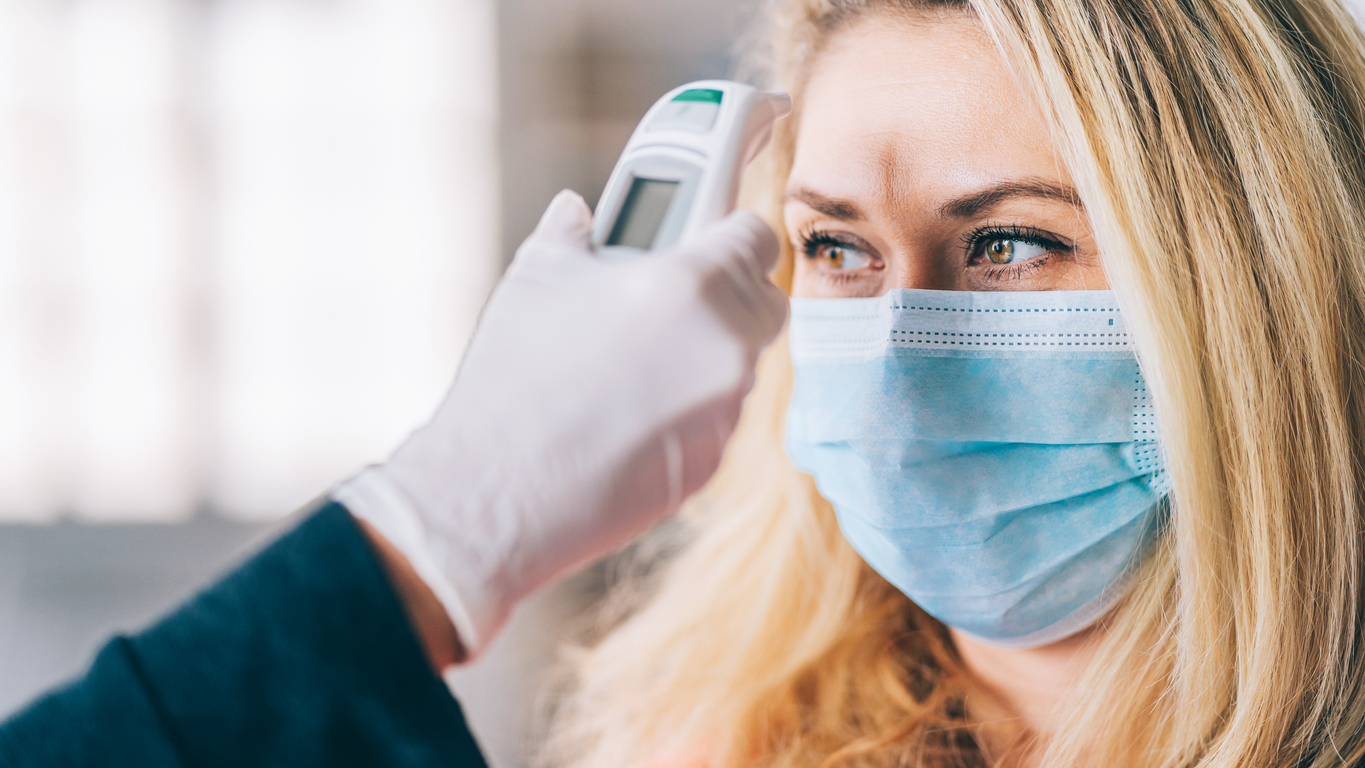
<point>993,455</point>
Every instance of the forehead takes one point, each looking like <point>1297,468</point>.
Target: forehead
<point>903,105</point>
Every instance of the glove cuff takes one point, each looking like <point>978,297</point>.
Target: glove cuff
<point>371,496</point>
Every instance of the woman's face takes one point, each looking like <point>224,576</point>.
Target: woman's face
<point>922,164</point>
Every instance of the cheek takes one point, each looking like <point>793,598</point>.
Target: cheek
<point>1088,277</point>
<point>802,280</point>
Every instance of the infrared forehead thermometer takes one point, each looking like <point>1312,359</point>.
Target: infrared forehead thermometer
<point>681,168</point>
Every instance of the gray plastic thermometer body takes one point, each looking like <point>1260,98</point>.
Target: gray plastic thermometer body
<point>681,168</point>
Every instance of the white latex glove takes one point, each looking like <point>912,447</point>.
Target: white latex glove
<point>594,397</point>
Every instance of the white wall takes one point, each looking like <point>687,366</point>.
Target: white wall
<point>241,244</point>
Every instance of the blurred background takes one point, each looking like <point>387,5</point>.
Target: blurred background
<point>242,244</point>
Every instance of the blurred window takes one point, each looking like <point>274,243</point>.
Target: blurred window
<point>241,244</point>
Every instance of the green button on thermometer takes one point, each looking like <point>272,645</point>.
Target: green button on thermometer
<point>681,168</point>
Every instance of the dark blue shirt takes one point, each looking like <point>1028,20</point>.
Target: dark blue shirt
<point>302,657</point>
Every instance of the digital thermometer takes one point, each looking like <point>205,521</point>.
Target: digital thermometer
<point>681,168</point>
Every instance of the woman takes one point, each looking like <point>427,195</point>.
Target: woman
<point>1201,159</point>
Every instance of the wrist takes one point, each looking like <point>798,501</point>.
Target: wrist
<point>433,627</point>
<point>438,549</point>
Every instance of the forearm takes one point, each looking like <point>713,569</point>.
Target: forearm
<point>302,657</point>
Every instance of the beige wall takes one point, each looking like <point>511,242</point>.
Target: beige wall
<point>576,76</point>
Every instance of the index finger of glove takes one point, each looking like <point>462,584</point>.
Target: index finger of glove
<point>740,238</point>
<point>729,262</point>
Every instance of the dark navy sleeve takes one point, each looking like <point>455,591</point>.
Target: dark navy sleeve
<point>302,657</point>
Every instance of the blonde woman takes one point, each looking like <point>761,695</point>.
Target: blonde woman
<point>1008,574</point>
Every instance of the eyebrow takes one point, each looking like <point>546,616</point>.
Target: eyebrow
<point>835,208</point>
<point>964,207</point>
<point>968,206</point>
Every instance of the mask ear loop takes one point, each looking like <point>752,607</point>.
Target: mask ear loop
<point>673,462</point>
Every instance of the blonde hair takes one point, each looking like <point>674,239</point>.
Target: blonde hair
<point>1217,149</point>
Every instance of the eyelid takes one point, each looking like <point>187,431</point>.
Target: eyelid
<point>1014,232</point>
<point>807,234</point>
<point>974,239</point>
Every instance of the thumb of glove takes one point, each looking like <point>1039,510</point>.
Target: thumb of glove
<point>567,221</point>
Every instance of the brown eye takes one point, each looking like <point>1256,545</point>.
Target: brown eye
<point>840,257</point>
<point>1000,251</point>
<point>831,254</point>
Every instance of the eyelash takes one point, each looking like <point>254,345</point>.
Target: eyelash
<point>811,240</point>
<point>976,238</point>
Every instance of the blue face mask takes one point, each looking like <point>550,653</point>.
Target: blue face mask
<point>993,455</point>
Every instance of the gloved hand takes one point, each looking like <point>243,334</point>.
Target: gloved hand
<point>594,397</point>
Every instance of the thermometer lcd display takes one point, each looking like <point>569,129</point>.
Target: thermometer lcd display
<point>642,213</point>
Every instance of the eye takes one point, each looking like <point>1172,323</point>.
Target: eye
<point>996,246</point>
<point>843,257</point>
<point>1007,251</point>
<point>834,253</point>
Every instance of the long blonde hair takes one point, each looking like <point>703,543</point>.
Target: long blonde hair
<point>1217,147</point>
